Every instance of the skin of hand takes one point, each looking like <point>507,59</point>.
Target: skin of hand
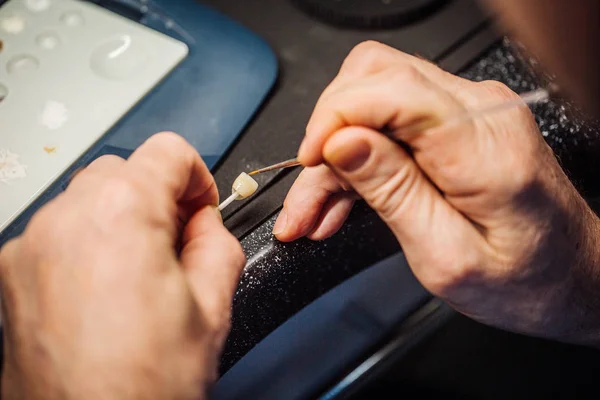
<point>487,219</point>
<point>121,287</point>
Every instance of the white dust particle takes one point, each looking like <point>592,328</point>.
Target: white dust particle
<point>10,167</point>
<point>55,115</point>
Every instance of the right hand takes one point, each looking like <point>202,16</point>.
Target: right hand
<point>485,215</point>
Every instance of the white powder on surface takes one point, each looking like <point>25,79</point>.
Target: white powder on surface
<point>54,115</point>
<point>10,167</point>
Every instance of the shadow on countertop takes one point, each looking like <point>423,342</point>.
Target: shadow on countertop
<point>468,360</point>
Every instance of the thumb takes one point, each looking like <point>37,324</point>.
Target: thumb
<point>380,171</point>
<point>212,260</point>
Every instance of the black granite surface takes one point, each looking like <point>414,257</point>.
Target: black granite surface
<point>281,278</point>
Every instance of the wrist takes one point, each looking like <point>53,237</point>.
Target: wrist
<point>582,300</point>
<point>553,292</point>
<point>565,294</point>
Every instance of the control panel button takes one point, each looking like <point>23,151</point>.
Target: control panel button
<point>72,18</point>
<point>119,58</point>
<point>48,40</point>
<point>13,24</point>
<point>38,5</point>
<point>22,63</point>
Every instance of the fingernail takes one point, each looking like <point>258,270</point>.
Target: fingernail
<point>280,223</point>
<point>350,156</point>
<point>218,212</point>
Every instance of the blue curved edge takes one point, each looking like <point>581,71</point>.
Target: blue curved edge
<point>208,99</point>
<point>314,347</point>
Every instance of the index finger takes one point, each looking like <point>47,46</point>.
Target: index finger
<point>391,100</point>
<point>371,57</point>
<point>173,167</point>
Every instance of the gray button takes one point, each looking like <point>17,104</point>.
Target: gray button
<point>48,40</point>
<point>119,58</point>
<point>72,18</point>
<point>38,5</point>
<point>22,63</point>
<point>13,24</point>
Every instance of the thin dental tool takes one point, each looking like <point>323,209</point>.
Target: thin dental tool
<point>284,164</point>
<point>527,98</point>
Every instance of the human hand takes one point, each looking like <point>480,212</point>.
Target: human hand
<point>121,287</point>
<point>487,219</point>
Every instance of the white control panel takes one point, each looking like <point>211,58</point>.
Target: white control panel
<point>69,70</point>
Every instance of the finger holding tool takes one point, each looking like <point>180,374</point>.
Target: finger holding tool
<point>244,186</point>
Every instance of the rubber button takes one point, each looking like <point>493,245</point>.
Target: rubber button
<point>38,5</point>
<point>72,18</point>
<point>48,40</point>
<point>22,63</point>
<point>119,58</point>
<point>12,24</point>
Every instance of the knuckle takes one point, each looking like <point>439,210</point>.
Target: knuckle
<point>169,139</point>
<point>473,94</point>
<point>498,89</point>
<point>104,159</point>
<point>405,74</point>
<point>117,197</point>
<point>119,187</point>
<point>100,166</point>
<point>518,170</point>
<point>365,53</point>
<point>367,47</point>
<point>166,135</point>
<point>176,144</point>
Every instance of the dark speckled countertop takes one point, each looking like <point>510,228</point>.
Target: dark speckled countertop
<point>282,278</point>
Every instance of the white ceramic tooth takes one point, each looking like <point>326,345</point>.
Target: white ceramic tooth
<point>244,185</point>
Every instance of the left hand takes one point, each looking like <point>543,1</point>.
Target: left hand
<point>121,287</point>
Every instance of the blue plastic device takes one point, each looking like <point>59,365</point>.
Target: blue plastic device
<point>316,346</point>
<point>209,98</point>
